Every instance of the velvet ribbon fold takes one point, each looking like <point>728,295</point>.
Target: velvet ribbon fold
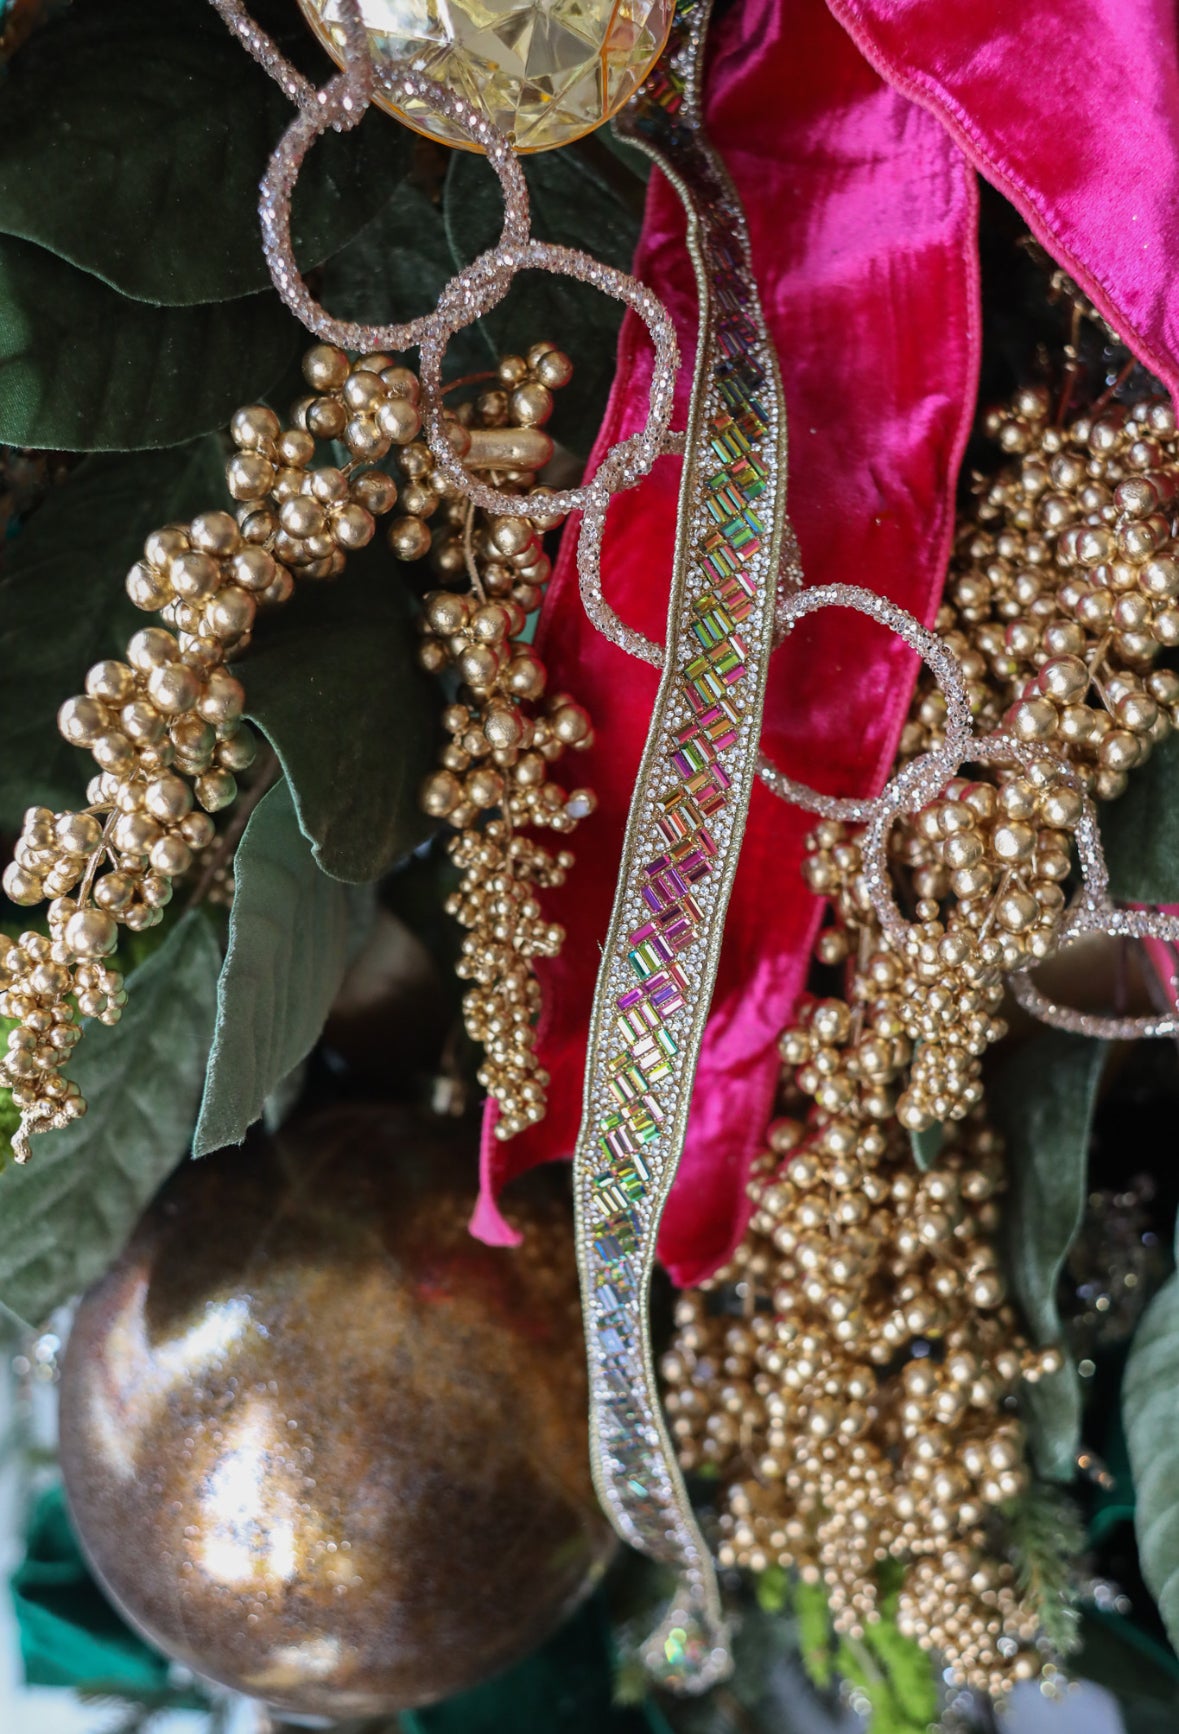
<point>852,131</point>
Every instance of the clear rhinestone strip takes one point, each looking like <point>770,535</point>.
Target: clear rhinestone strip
<point>680,854</point>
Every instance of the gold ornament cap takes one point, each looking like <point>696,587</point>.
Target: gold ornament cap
<point>544,72</point>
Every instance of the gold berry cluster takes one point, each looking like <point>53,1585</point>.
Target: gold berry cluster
<point>853,1374</point>
<point>850,1373</point>
<point>504,731</point>
<point>1065,588</point>
<point>500,432</point>
<point>164,723</point>
<point>986,862</point>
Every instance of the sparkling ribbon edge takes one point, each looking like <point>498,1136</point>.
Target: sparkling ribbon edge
<point>661,953</point>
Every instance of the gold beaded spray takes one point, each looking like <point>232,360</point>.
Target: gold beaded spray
<point>853,1373</point>
<point>164,724</point>
<point>494,781</point>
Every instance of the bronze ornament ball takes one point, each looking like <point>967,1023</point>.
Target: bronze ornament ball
<point>319,1444</point>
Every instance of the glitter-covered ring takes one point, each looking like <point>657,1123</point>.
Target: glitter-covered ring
<point>624,464</point>
<point>1129,923</point>
<point>925,776</point>
<point>470,294</point>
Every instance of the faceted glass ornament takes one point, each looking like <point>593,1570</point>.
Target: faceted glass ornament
<point>543,71</point>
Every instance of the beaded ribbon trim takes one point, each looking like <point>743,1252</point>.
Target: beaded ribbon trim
<point>680,854</point>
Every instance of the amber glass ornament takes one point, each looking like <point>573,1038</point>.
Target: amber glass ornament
<point>319,1444</point>
<point>543,71</point>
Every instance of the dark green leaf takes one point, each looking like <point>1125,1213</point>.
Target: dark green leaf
<point>926,1146</point>
<point>1150,1415</point>
<point>292,933</point>
<point>396,268</point>
<point>1143,1716</point>
<point>63,606</point>
<point>334,682</point>
<point>67,1215</point>
<point>84,369</point>
<point>132,140</point>
<point>1139,1670</point>
<point>575,204</point>
<point>636,162</point>
<point>1042,1100</point>
<point>1141,831</point>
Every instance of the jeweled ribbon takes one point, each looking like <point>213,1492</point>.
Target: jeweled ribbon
<point>680,854</point>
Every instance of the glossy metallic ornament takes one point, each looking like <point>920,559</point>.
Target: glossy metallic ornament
<point>543,71</point>
<point>321,1445</point>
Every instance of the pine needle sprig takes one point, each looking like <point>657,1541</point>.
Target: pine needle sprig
<point>1045,1539</point>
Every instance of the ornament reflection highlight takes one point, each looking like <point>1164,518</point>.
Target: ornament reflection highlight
<point>244,1539</point>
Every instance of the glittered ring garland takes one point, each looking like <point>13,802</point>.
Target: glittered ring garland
<point>923,779</point>
<point>735,591</point>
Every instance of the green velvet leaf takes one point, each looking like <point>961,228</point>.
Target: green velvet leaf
<point>84,369</point>
<point>66,1216</point>
<point>1140,831</point>
<point>333,680</point>
<point>132,140</point>
<point>576,204</point>
<point>1042,1100</point>
<point>292,934</point>
<point>1126,1660</point>
<point>1150,1416</point>
<point>63,606</point>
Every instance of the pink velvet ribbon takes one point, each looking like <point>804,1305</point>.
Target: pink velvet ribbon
<point>1071,109</point>
<point>862,214</point>
<point>851,144</point>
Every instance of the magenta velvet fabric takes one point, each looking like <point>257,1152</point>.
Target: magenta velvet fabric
<point>1070,108</point>
<point>863,223</point>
